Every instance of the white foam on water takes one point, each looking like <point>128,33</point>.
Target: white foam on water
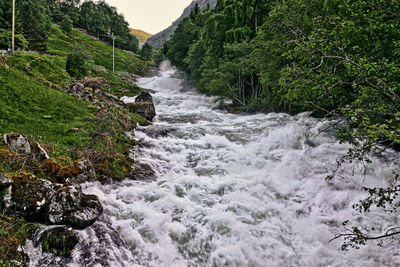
<point>241,190</point>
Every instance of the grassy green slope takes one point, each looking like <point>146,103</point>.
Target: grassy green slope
<point>28,105</point>
<point>99,53</point>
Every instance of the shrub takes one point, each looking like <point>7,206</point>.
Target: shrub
<point>76,65</point>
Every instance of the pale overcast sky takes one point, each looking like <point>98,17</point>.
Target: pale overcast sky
<point>151,16</point>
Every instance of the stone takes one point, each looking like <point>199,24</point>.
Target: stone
<point>39,152</point>
<point>21,144</point>
<point>40,200</point>
<point>143,172</point>
<point>144,97</point>
<point>17,143</point>
<point>86,167</point>
<point>78,87</point>
<point>30,196</point>
<point>90,209</point>
<point>96,83</point>
<point>71,207</point>
<point>59,240</point>
<point>143,106</point>
<point>4,181</point>
<point>5,191</point>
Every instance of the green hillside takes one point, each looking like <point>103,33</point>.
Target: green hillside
<point>33,103</point>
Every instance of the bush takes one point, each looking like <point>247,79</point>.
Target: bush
<point>5,40</point>
<point>76,65</point>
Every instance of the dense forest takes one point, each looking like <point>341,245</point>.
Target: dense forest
<point>335,58</point>
<point>34,18</point>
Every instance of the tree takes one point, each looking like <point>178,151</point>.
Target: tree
<point>146,52</point>
<point>66,24</point>
<point>5,27</point>
<point>36,23</point>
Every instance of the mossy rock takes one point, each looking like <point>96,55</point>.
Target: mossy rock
<point>59,240</point>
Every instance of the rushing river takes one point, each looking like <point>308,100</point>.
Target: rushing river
<point>234,190</point>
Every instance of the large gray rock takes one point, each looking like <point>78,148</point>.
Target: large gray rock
<point>143,106</point>
<point>40,200</point>
<point>17,143</point>
<point>159,39</point>
<point>21,144</point>
<point>69,206</point>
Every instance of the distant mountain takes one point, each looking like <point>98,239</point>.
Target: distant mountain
<point>141,35</point>
<point>158,39</point>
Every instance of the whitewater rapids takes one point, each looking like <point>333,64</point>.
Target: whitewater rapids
<point>234,190</point>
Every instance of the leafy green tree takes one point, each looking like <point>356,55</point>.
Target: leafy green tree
<point>177,50</point>
<point>103,21</point>
<point>36,23</point>
<point>5,27</point>
<point>331,57</point>
<point>146,52</point>
<point>66,24</point>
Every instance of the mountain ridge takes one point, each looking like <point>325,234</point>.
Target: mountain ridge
<point>158,39</point>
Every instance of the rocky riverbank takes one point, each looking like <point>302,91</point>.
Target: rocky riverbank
<point>39,187</point>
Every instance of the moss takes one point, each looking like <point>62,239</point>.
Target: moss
<point>13,233</point>
<point>25,184</point>
<point>59,241</point>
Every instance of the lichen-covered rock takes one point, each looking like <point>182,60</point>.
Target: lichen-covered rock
<point>40,200</point>
<point>52,169</point>
<point>17,143</point>
<point>5,190</point>
<point>94,90</point>
<point>69,206</point>
<point>21,144</point>
<point>30,196</point>
<point>96,83</point>
<point>4,181</point>
<point>58,240</point>
<point>143,106</point>
<point>39,152</point>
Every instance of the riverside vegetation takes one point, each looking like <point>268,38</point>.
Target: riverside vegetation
<point>336,58</point>
<point>67,99</point>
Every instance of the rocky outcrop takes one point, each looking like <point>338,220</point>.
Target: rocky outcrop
<point>17,143</point>
<point>93,90</point>
<point>143,106</point>
<point>40,200</point>
<point>143,172</point>
<point>21,144</point>
<point>159,39</point>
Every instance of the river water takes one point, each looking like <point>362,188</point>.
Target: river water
<point>234,190</point>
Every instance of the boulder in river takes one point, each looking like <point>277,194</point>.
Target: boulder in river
<point>143,106</point>
<point>40,200</point>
